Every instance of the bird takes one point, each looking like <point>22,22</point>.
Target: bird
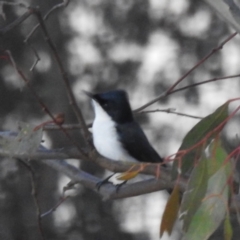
<point>116,134</point>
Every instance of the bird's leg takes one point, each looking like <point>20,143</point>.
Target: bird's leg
<point>104,181</point>
<point>118,186</point>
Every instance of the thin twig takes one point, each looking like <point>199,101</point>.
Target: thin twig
<point>202,61</point>
<point>35,196</point>
<point>19,4</point>
<point>171,110</point>
<point>15,23</point>
<point>136,111</point>
<point>65,78</point>
<point>204,82</point>
<point>171,89</point>
<point>55,7</point>
<point>41,103</point>
<point>53,209</point>
<point>71,97</point>
<point>36,54</point>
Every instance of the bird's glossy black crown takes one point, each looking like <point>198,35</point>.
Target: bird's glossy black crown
<point>116,104</point>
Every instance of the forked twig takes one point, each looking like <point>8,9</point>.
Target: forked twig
<point>41,103</point>
<point>65,78</point>
<point>55,7</point>
<point>171,89</point>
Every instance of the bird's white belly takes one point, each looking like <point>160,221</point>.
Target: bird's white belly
<point>106,141</point>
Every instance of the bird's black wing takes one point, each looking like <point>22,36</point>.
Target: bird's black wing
<point>136,143</point>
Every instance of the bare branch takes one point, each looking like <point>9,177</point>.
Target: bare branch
<point>107,191</point>
<point>204,82</point>
<point>35,198</point>
<point>36,54</point>
<point>218,48</point>
<point>18,4</point>
<point>39,100</point>
<point>53,209</point>
<point>55,7</point>
<point>15,23</point>
<point>171,89</point>
<point>65,78</point>
<point>173,111</point>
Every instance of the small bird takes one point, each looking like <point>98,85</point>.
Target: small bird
<point>116,134</point>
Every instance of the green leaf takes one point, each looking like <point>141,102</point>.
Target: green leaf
<point>212,209</point>
<point>217,158</point>
<point>196,190</point>
<point>207,195</point>
<point>228,231</point>
<point>195,135</point>
<point>171,212</point>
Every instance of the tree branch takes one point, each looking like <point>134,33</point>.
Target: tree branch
<point>35,197</point>
<point>41,103</point>
<point>171,89</point>
<point>15,23</point>
<point>65,78</point>
<point>173,111</point>
<point>55,7</point>
<point>108,191</point>
<point>37,13</point>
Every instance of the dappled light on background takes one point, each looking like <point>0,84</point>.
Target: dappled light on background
<point>11,79</point>
<point>231,57</point>
<point>140,46</point>
<point>45,64</point>
<point>196,25</point>
<point>160,50</point>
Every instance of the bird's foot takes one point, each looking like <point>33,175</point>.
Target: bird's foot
<point>104,181</point>
<point>118,186</point>
<point>100,183</point>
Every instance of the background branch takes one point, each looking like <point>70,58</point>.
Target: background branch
<point>171,89</point>
<point>108,191</point>
<point>173,111</point>
<point>64,75</point>
<point>41,103</point>
<point>35,196</point>
<point>55,7</point>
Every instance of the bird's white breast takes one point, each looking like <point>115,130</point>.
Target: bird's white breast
<point>105,137</point>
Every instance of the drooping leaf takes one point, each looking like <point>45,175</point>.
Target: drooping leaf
<point>195,135</point>
<point>171,212</point>
<point>217,158</point>
<point>212,210</point>
<point>202,216</point>
<point>228,231</point>
<point>26,140</point>
<point>128,175</point>
<point>196,190</point>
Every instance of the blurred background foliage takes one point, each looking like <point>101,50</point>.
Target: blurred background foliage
<point>142,46</point>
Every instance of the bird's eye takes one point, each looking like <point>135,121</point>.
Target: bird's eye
<point>105,105</point>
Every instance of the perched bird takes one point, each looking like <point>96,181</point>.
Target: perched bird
<point>116,135</point>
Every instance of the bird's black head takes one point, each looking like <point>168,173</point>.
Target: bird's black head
<point>115,104</point>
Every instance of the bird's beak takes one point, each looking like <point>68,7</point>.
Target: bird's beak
<point>89,94</point>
